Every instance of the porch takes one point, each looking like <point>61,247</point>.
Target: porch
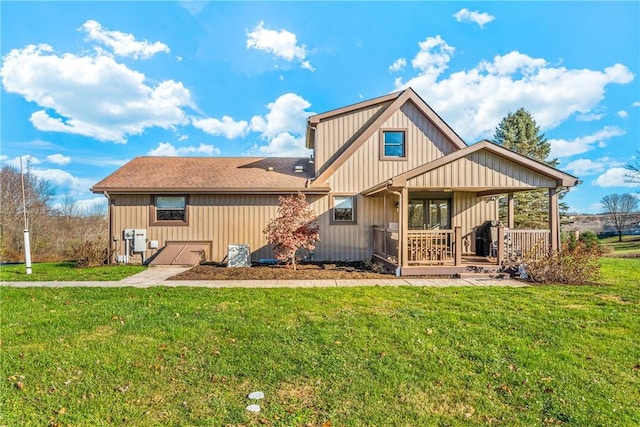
<point>446,252</point>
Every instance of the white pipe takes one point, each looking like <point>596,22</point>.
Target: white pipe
<point>27,251</point>
<point>27,240</point>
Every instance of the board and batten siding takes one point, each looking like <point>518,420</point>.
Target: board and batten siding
<point>240,219</point>
<point>364,169</point>
<point>469,212</point>
<point>331,134</point>
<point>482,169</point>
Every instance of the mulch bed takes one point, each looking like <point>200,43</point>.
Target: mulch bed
<point>305,271</point>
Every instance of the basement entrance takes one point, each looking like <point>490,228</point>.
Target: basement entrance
<point>182,253</point>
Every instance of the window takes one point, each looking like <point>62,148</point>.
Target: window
<point>343,210</point>
<point>393,143</point>
<point>170,209</point>
<point>430,214</point>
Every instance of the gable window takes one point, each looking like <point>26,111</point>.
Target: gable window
<point>344,210</point>
<point>393,144</point>
<point>169,209</point>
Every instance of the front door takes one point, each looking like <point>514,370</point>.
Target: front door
<point>429,214</point>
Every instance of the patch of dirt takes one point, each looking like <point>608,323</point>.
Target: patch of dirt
<point>305,271</point>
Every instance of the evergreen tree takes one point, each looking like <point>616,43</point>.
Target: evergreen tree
<point>519,132</point>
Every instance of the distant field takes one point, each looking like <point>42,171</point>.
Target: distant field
<point>630,245</point>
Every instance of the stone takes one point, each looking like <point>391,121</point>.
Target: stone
<point>256,395</point>
<point>253,408</point>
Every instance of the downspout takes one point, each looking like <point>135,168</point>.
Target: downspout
<point>110,227</point>
<point>400,233</point>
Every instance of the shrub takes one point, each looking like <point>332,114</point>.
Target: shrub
<point>576,263</point>
<point>295,228</point>
<point>90,253</point>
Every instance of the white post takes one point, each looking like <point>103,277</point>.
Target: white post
<point>27,243</point>
<point>27,251</point>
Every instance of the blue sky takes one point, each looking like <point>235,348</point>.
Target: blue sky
<point>87,86</point>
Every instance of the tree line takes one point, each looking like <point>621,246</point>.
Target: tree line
<point>56,234</point>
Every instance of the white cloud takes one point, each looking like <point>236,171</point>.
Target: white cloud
<point>227,127</point>
<point>286,114</point>
<point>283,127</point>
<point>465,15</point>
<point>564,148</point>
<point>589,117</point>
<point>167,149</point>
<point>622,114</point>
<point>433,57</point>
<point>398,65</point>
<point>91,205</point>
<point>122,44</point>
<point>59,159</point>
<point>636,104</point>
<point>92,96</point>
<point>614,177</point>
<point>580,167</point>
<point>282,145</point>
<point>474,101</point>
<point>283,44</point>
<point>63,179</point>
<point>27,162</point>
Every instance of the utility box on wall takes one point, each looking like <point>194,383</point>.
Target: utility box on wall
<point>140,240</point>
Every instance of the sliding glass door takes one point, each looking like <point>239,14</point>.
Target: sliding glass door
<point>429,214</point>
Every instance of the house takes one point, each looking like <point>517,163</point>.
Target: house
<point>389,180</point>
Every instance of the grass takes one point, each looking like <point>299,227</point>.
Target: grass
<point>65,271</point>
<point>629,247</point>
<point>325,356</point>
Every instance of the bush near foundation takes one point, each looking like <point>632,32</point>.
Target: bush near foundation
<point>90,253</point>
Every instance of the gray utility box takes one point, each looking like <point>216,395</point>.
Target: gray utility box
<point>239,256</point>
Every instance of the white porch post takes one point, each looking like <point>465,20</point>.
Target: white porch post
<point>554,219</point>
<point>510,211</point>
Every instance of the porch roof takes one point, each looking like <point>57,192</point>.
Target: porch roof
<point>485,168</point>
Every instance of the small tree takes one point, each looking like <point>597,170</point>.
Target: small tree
<point>295,228</point>
<point>618,208</point>
<point>633,175</point>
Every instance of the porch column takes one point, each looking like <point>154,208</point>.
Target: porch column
<point>385,224</point>
<point>554,219</point>
<point>500,255</point>
<point>457,235</point>
<point>404,227</point>
<point>510,211</point>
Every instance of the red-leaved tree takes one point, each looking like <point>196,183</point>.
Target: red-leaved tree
<point>295,228</point>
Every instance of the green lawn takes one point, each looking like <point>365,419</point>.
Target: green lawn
<point>65,271</point>
<point>363,356</point>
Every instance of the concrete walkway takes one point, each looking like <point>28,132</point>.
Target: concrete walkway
<point>158,277</point>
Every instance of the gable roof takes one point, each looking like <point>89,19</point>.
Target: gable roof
<point>395,101</point>
<point>562,179</point>
<point>209,175</point>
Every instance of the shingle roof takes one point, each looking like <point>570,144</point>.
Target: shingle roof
<point>208,174</point>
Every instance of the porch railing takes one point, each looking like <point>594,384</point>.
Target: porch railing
<point>438,247</point>
<point>423,246</point>
<point>430,247</point>
<point>385,243</point>
<point>529,244</point>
